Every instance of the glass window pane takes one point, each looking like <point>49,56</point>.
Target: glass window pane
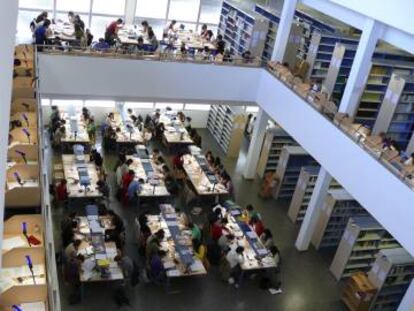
<point>110,7</point>
<point>99,24</point>
<point>151,8</point>
<point>173,106</point>
<point>67,103</point>
<point>252,109</point>
<point>197,107</point>
<point>184,10</point>
<point>24,34</point>
<point>100,103</point>
<point>36,4</point>
<point>73,5</point>
<point>141,105</point>
<point>45,102</point>
<point>210,11</point>
<point>64,18</point>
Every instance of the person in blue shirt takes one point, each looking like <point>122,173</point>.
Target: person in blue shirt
<point>41,33</point>
<point>135,187</point>
<point>102,45</point>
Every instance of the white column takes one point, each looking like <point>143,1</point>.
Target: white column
<point>8,22</point>
<point>314,207</point>
<point>371,31</point>
<point>407,304</point>
<point>283,30</point>
<point>130,8</point>
<point>256,142</point>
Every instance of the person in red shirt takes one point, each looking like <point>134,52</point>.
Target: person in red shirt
<point>257,225</point>
<point>126,180</point>
<point>62,191</point>
<point>111,32</point>
<point>217,229</point>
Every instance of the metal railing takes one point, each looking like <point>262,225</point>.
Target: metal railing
<point>357,132</point>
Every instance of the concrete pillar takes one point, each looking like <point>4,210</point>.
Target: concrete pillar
<point>283,30</point>
<point>371,32</point>
<point>407,304</point>
<point>256,142</point>
<point>130,8</point>
<point>8,22</point>
<point>314,208</point>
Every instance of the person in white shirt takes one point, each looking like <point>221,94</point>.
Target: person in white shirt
<point>410,160</point>
<point>235,259</point>
<point>122,170</point>
<point>169,30</point>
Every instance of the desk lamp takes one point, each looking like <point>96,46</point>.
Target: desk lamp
<point>24,231</point>
<point>30,266</point>
<point>25,118</point>
<point>16,308</point>
<point>27,133</point>
<point>18,179</point>
<point>22,154</point>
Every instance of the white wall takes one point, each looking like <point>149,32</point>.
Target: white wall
<point>145,80</point>
<point>379,191</point>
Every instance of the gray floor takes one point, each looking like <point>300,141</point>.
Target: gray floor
<point>306,281</point>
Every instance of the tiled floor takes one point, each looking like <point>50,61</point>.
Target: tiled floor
<point>306,281</point>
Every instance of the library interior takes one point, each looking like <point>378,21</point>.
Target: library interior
<point>208,154</point>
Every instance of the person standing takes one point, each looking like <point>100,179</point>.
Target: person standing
<point>111,33</point>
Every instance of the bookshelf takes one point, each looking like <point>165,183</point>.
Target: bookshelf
<point>363,238</point>
<point>291,161</point>
<point>242,29</point>
<point>273,143</point>
<point>336,210</point>
<point>303,193</point>
<point>226,124</point>
<point>396,115</point>
<point>391,273</point>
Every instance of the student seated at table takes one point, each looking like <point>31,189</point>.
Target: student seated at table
<point>67,226</point>
<point>38,21</point>
<point>157,270</point>
<point>109,139</point>
<point>235,259</point>
<point>200,252</point>
<point>159,163</point>
<point>101,45</point>
<point>153,244</point>
<point>178,161</point>
<point>247,57</point>
<point>59,134</point>
<point>159,131</point>
<point>226,181</point>
<point>144,29</point>
<point>267,238</point>
<point>195,231</point>
<point>62,193</point>
<point>103,187</point>
<point>91,129</point>
<point>96,157</point>
<point>111,32</point>
<point>121,170</point>
<point>41,34</point>
<point>227,57</point>
<point>71,251</point>
<point>126,265</point>
<point>251,212</point>
<point>225,241</point>
<point>220,45</point>
<point>149,122</point>
<point>86,114</point>
<point>169,30</point>
<point>140,47</point>
<point>79,22</point>
<point>217,229</point>
<point>152,40</point>
<point>134,189</point>
<point>216,164</point>
<point>88,37</point>
<point>257,225</point>
<point>209,157</point>
<point>183,49</point>
<point>79,36</point>
<point>155,154</point>
<point>203,33</point>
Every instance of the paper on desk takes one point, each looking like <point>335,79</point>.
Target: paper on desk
<point>14,242</point>
<point>197,266</point>
<point>100,256</point>
<point>172,223</point>
<point>173,272</point>
<point>251,234</point>
<point>169,264</point>
<point>33,306</point>
<point>262,251</point>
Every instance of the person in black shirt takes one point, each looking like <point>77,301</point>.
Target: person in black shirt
<point>220,44</point>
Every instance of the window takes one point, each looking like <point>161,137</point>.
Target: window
<point>173,106</point>
<point>73,5</point>
<point>141,105</point>
<point>100,103</point>
<point>210,11</point>
<point>64,18</point>
<point>24,34</point>
<point>36,4</point>
<point>45,102</point>
<point>99,24</point>
<point>197,107</point>
<point>184,10</point>
<point>66,103</point>
<point>110,7</point>
<point>252,109</point>
<point>151,8</point>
